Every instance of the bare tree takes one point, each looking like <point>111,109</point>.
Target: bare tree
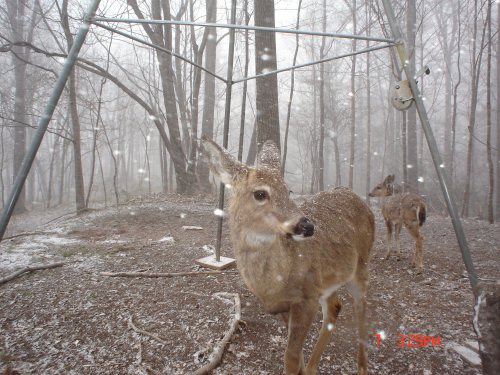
<point>17,13</point>
<point>75,119</point>
<point>267,121</point>
<point>207,127</point>
<point>491,170</point>
<point>353,98</point>
<point>476,58</point>
<point>411,124</point>
<point>162,36</point>
<point>290,97</point>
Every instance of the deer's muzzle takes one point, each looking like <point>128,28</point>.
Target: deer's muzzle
<point>304,227</point>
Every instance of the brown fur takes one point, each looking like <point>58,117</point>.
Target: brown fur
<point>290,276</point>
<point>400,209</point>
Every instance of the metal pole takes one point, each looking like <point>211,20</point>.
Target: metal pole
<point>45,119</point>
<point>145,42</point>
<point>431,141</point>
<point>366,50</point>
<point>244,27</point>
<point>227,115</point>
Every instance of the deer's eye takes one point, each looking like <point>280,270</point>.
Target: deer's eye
<point>261,195</point>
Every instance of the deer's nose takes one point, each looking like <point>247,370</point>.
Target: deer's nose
<point>304,227</point>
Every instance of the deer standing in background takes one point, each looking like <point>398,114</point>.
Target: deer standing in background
<point>294,259</point>
<point>400,209</point>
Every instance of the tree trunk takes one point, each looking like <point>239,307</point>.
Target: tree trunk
<point>266,97</point>
<point>491,171</point>
<point>475,71</point>
<point>245,84</point>
<point>321,146</point>
<point>290,98</point>
<point>162,35</point>
<point>353,100</point>
<point>17,18</point>
<point>75,120</point>
<point>498,122</point>
<point>368,113</point>
<point>412,141</point>
<point>207,127</point>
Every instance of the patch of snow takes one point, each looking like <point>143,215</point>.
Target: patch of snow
<point>167,239</point>
<point>209,249</point>
<point>111,242</point>
<point>467,354</point>
<point>57,240</point>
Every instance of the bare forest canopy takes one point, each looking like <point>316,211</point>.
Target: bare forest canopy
<point>130,118</point>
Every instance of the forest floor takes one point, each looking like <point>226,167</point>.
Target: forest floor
<point>75,320</point>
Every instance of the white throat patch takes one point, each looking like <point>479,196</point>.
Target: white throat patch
<point>255,239</point>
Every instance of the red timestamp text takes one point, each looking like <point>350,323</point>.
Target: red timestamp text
<point>412,340</point>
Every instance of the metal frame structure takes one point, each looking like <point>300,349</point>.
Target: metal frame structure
<point>398,42</point>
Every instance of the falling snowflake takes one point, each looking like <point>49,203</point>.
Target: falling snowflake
<point>420,179</point>
<point>219,212</point>
<point>266,57</point>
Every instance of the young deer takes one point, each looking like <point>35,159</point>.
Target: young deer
<point>400,209</point>
<point>294,259</point>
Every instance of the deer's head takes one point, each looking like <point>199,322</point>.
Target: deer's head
<point>260,203</point>
<point>384,189</point>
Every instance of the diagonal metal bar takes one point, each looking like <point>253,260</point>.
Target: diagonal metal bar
<point>46,117</point>
<point>431,141</point>
<point>375,48</point>
<point>244,27</point>
<point>145,42</point>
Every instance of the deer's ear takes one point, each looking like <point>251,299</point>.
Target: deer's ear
<point>269,156</point>
<point>389,179</point>
<point>223,165</point>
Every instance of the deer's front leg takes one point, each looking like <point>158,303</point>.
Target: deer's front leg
<point>301,317</point>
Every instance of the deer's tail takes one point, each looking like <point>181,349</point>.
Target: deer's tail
<point>421,213</point>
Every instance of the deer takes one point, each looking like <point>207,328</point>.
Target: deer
<point>401,209</point>
<point>294,259</point>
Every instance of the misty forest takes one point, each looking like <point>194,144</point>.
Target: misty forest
<point>131,116</point>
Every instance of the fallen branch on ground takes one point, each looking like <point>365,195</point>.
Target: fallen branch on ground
<point>141,331</point>
<point>30,269</point>
<point>154,274</point>
<point>216,356</point>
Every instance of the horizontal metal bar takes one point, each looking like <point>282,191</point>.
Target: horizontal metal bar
<point>243,27</point>
<point>139,40</point>
<point>365,50</point>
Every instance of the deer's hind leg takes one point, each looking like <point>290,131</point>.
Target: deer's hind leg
<point>388,237</point>
<point>397,232</point>
<point>331,307</point>
<point>417,260</point>
<point>357,288</point>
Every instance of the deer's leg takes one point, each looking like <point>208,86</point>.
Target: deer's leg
<point>301,317</point>
<point>388,224</point>
<point>397,232</point>
<point>417,260</point>
<point>357,288</point>
<point>331,308</point>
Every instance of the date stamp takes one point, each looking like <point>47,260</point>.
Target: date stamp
<point>411,340</point>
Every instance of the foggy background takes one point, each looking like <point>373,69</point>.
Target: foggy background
<point>105,141</point>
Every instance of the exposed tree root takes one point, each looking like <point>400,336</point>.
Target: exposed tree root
<point>30,269</point>
<point>154,274</point>
<point>216,356</point>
